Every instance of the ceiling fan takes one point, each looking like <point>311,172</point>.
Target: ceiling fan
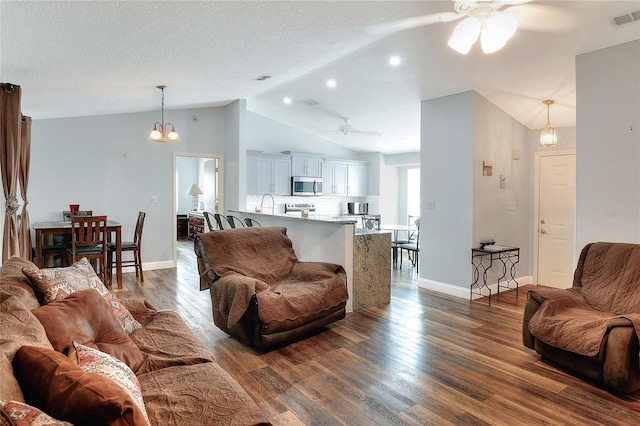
<point>347,128</point>
<point>488,20</point>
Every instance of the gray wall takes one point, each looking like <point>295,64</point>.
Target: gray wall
<point>106,164</point>
<point>459,132</point>
<point>608,145</point>
<point>446,178</point>
<point>187,169</point>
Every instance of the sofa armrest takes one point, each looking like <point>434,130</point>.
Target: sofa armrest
<point>621,369</point>
<point>140,308</point>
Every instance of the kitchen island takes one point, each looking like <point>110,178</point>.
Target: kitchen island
<point>365,255</point>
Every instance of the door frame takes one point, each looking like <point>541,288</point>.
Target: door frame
<point>174,203</point>
<point>536,206</point>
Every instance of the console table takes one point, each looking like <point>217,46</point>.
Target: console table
<point>482,260</point>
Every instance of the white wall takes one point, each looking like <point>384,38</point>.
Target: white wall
<point>608,145</point>
<point>496,136</point>
<point>446,178</point>
<point>235,161</point>
<point>264,134</point>
<point>106,164</point>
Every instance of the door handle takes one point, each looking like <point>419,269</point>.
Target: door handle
<point>542,221</point>
<point>543,232</point>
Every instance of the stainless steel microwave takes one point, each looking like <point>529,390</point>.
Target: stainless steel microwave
<point>306,186</point>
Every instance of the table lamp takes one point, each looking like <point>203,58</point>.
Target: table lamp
<point>195,191</point>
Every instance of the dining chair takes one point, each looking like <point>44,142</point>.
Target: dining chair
<point>235,222</point>
<point>89,239</point>
<point>251,222</point>
<point>207,219</point>
<point>371,222</point>
<point>134,246</point>
<point>412,247</point>
<point>221,221</point>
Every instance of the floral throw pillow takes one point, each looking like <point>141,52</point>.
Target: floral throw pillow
<point>19,413</point>
<point>57,283</point>
<point>94,361</point>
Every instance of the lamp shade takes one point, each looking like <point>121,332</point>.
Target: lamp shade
<point>464,35</point>
<point>194,190</point>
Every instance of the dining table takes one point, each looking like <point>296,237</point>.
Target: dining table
<point>396,229</point>
<point>42,229</point>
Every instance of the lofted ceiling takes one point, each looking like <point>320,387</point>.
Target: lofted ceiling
<point>78,58</point>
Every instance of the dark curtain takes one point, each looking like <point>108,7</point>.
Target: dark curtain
<point>24,231</point>
<point>10,139</point>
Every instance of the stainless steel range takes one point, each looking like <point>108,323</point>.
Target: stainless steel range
<point>299,207</point>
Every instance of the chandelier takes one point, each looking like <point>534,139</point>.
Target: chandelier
<point>548,135</point>
<point>160,132</point>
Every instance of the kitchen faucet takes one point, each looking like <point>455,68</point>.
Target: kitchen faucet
<point>273,203</point>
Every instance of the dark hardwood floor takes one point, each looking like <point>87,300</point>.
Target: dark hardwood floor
<point>425,358</point>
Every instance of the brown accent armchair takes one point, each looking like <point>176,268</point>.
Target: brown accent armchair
<point>261,294</point>
<point>592,328</point>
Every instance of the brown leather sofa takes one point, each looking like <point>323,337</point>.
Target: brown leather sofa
<point>592,328</point>
<point>260,293</point>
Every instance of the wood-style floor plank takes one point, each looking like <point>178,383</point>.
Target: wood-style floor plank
<point>424,359</point>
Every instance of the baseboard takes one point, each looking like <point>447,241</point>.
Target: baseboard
<point>150,266</point>
<point>463,292</point>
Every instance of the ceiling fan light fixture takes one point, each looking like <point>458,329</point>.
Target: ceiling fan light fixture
<point>548,135</point>
<point>496,31</point>
<point>464,35</point>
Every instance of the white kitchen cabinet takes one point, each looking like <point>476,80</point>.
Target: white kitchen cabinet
<point>268,173</point>
<point>357,179</point>
<point>334,178</point>
<point>306,165</point>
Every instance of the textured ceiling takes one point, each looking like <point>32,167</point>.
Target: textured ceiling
<point>96,57</point>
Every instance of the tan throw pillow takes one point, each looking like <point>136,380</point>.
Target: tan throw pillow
<point>20,414</point>
<point>68,393</point>
<point>85,317</point>
<point>58,283</point>
<point>94,361</point>
<point>18,326</point>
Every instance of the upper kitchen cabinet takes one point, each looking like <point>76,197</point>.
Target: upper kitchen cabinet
<point>305,164</point>
<point>268,173</point>
<point>334,178</point>
<point>357,179</point>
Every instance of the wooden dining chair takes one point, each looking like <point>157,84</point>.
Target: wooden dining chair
<point>235,222</point>
<point>134,246</point>
<point>251,222</point>
<point>89,239</point>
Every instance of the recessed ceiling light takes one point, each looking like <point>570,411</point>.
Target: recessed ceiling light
<point>394,60</point>
<point>380,143</point>
<point>287,101</point>
<point>331,83</point>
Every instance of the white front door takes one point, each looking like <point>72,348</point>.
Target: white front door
<point>556,220</point>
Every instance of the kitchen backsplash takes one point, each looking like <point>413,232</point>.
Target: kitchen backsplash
<point>324,205</point>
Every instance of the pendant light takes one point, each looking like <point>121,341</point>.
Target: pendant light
<point>548,135</point>
<point>159,132</point>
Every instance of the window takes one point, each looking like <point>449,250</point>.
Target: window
<point>413,192</point>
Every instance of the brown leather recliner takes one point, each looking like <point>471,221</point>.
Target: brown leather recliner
<point>592,328</point>
<point>260,293</point>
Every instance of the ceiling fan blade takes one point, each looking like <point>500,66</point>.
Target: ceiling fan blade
<point>544,18</point>
<point>413,22</point>
<point>499,4</point>
<point>367,132</point>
